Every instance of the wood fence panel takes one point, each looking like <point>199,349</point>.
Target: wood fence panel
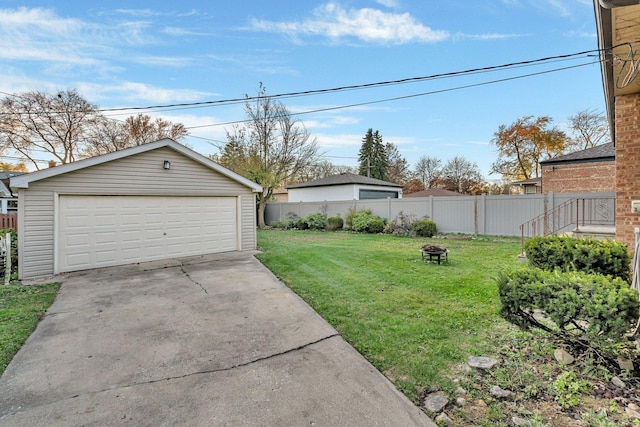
<point>8,221</point>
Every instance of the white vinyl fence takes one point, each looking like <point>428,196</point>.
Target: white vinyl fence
<point>484,215</point>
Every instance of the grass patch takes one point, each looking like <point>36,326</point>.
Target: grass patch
<point>21,308</point>
<point>412,320</point>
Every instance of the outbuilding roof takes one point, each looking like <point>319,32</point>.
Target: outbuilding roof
<point>599,153</point>
<point>23,181</point>
<point>537,181</point>
<point>436,192</point>
<point>344,179</point>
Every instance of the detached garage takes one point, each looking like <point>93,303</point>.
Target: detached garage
<point>152,202</point>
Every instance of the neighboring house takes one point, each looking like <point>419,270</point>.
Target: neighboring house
<point>618,24</point>
<point>280,195</point>
<point>151,202</point>
<point>584,171</point>
<point>435,192</point>
<point>529,186</point>
<point>8,200</point>
<point>345,186</point>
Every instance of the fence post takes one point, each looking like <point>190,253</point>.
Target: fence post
<point>475,216</point>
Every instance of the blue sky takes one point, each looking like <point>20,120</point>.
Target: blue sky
<point>145,53</point>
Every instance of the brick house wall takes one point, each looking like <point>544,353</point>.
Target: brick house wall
<point>627,129</point>
<point>579,177</point>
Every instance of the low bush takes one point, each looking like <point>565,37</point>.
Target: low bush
<point>608,257</point>
<point>588,308</point>
<point>425,228</point>
<point>335,223</point>
<point>401,225</point>
<point>366,222</point>
<point>351,212</point>
<point>291,221</point>
<point>313,221</point>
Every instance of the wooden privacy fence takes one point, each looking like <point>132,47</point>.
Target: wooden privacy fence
<point>8,221</point>
<point>485,215</point>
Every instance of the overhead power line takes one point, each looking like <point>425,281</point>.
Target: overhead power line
<point>361,86</point>
<point>397,98</point>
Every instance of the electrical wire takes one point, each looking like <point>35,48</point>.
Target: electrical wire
<point>397,98</point>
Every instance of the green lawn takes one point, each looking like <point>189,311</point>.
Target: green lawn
<point>21,307</point>
<point>413,320</point>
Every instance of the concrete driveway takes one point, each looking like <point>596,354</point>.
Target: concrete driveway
<point>203,341</point>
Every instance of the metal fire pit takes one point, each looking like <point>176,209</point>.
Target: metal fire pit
<point>434,253</point>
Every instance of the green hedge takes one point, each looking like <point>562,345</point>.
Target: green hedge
<point>608,257</point>
<point>592,307</point>
<point>425,228</point>
<point>335,223</point>
<point>313,221</point>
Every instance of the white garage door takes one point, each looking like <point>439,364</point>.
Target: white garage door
<point>102,231</point>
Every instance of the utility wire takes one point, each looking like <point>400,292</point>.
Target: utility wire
<point>362,86</point>
<point>397,98</point>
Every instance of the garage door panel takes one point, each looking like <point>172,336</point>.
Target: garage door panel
<point>99,231</point>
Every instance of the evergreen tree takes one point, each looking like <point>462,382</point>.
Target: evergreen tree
<point>373,159</point>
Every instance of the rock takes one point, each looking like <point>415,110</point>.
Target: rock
<point>625,364</point>
<point>461,391</point>
<point>631,413</point>
<point>482,362</point>
<point>520,422</point>
<point>435,402</point>
<point>499,393</point>
<point>633,406</point>
<point>444,419</point>
<point>618,382</point>
<point>562,356</point>
<point>480,403</point>
<point>461,401</point>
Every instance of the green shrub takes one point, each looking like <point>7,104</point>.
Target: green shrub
<point>425,228</point>
<point>365,222</point>
<point>590,307</point>
<point>401,225</point>
<point>335,223</point>
<point>606,257</point>
<point>351,213</point>
<point>568,389</point>
<point>313,221</point>
<point>291,221</point>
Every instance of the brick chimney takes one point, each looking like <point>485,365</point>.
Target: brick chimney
<point>52,163</point>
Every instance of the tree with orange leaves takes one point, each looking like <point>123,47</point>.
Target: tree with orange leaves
<point>524,144</point>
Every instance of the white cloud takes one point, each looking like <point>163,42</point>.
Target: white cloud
<point>389,3</point>
<point>369,25</point>
<point>487,36</point>
<point>41,35</point>
<point>140,93</point>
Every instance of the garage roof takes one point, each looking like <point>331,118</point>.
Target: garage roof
<point>344,179</point>
<point>23,181</point>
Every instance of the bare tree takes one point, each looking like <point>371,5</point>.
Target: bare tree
<point>107,135</point>
<point>461,175</point>
<point>428,170</point>
<point>270,149</point>
<point>398,169</point>
<point>590,128</point>
<point>33,123</point>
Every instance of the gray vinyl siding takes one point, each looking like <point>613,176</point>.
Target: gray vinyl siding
<point>248,221</point>
<point>141,174</point>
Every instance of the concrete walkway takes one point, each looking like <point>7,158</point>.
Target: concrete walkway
<point>204,341</point>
